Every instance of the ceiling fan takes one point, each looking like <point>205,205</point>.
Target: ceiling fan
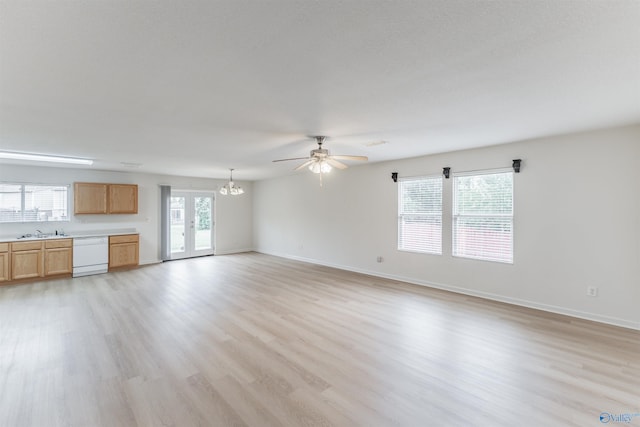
<point>320,161</point>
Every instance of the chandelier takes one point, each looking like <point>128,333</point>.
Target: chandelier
<point>231,188</point>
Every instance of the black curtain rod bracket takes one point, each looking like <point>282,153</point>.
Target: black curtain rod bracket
<point>446,172</point>
<point>516,165</point>
<point>394,176</point>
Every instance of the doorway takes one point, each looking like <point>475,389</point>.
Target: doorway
<point>192,224</point>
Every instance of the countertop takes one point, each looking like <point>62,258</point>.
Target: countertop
<point>74,234</point>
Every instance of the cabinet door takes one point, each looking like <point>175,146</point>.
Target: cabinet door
<point>123,254</point>
<point>123,198</point>
<point>57,261</point>
<point>89,198</point>
<point>26,264</point>
<point>4,266</point>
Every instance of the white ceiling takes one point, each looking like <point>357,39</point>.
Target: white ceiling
<point>196,87</point>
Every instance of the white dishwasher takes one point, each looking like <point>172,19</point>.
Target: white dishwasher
<point>90,255</point>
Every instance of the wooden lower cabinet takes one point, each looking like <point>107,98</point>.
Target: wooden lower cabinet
<point>5,276</point>
<point>123,251</point>
<point>34,259</point>
<point>58,257</point>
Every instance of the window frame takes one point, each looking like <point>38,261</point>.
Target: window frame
<point>23,201</point>
<point>455,215</point>
<point>402,215</point>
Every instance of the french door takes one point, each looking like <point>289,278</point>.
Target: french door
<point>192,225</point>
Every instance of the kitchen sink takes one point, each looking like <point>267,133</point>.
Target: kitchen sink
<point>41,236</point>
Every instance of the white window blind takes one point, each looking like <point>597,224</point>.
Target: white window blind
<point>420,215</point>
<point>33,203</point>
<point>483,216</point>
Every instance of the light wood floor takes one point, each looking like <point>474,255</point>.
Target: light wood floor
<point>256,340</point>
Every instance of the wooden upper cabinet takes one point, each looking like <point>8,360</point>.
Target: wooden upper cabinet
<point>123,198</point>
<point>89,198</point>
<point>98,198</point>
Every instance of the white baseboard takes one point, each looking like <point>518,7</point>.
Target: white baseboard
<point>472,292</point>
<point>233,251</point>
<point>227,252</point>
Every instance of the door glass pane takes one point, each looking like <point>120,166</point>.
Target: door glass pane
<point>202,222</point>
<point>177,224</point>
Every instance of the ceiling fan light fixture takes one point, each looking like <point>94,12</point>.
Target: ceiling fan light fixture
<point>320,161</point>
<point>320,167</point>
<point>230,187</point>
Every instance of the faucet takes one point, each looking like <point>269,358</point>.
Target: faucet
<point>39,233</point>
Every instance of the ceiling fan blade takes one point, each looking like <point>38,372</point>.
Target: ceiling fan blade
<point>362,158</point>
<point>305,164</point>
<point>335,163</point>
<point>294,158</point>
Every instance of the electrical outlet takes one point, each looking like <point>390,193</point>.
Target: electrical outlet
<point>379,259</point>
<point>592,291</point>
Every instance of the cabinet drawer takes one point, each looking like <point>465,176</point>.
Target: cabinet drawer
<point>58,243</point>
<point>128,238</point>
<point>4,247</point>
<point>25,246</point>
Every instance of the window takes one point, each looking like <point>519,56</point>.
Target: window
<point>420,215</point>
<point>483,216</point>
<point>33,203</point>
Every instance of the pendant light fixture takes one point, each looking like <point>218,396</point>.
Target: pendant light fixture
<point>230,187</point>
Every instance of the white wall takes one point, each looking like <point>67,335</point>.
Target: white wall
<point>233,215</point>
<point>577,224</point>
